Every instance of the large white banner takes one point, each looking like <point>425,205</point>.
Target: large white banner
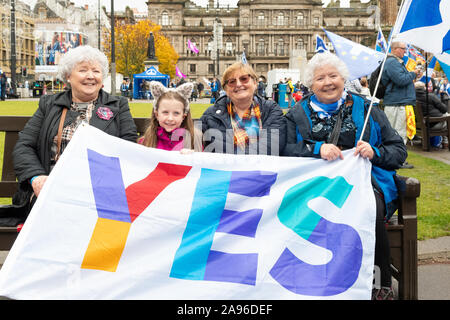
<point>117,220</point>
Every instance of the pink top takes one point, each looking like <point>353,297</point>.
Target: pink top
<point>172,141</point>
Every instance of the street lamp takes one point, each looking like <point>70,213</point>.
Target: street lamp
<point>113,52</point>
<point>98,22</point>
<point>13,46</point>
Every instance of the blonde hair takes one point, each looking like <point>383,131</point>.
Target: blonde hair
<point>150,135</point>
<point>238,66</point>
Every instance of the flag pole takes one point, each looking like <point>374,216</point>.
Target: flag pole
<point>380,74</point>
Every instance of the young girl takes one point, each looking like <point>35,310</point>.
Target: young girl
<point>171,125</point>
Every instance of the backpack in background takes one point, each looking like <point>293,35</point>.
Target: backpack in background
<point>373,82</point>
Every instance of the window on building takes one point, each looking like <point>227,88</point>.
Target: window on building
<point>280,47</point>
<point>211,68</point>
<point>316,20</point>
<point>229,47</point>
<point>280,19</point>
<point>300,44</point>
<point>261,47</point>
<point>210,45</point>
<point>300,19</point>
<point>261,19</point>
<point>165,19</point>
<point>192,68</point>
<point>42,13</point>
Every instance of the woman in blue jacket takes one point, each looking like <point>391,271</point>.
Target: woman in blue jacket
<point>331,120</point>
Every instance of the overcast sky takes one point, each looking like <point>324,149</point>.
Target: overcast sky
<point>120,5</point>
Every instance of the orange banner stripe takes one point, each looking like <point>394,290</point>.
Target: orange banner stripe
<point>106,246</point>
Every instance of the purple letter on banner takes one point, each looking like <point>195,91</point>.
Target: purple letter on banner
<point>342,240</point>
<point>242,267</point>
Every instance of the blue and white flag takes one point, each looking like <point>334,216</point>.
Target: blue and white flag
<point>143,223</point>
<point>381,45</point>
<point>320,45</point>
<point>425,24</point>
<point>361,61</point>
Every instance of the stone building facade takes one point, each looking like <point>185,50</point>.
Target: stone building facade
<point>273,33</point>
<point>25,23</point>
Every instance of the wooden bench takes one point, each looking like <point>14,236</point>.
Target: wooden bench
<point>402,229</point>
<point>424,126</point>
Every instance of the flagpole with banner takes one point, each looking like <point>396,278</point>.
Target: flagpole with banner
<point>381,72</point>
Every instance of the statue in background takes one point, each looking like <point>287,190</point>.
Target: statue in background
<point>151,47</point>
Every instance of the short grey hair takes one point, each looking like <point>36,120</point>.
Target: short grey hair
<point>82,54</point>
<point>322,59</point>
<point>397,44</point>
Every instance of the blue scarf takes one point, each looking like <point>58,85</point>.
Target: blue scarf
<point>325,110</point>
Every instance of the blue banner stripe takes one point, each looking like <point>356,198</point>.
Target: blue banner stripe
<point>108,187</point>
<point>207,207</point>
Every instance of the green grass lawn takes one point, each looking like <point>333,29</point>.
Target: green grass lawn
<point>138,110</point>
<point>433,205</point>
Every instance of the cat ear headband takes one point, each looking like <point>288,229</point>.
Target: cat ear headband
<point>185,90</point>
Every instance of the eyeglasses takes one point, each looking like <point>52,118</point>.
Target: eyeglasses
<point>242,79</point>
<point>403,48</point>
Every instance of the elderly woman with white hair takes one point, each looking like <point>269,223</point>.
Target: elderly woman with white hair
<point>50,129</point>
<point>330,120</point>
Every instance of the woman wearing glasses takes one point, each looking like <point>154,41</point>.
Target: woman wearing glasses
<point>241,122</point>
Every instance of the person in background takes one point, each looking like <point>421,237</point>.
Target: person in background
<point>364,87</point>
<point>353,86</point>
<point>400,92</point>
<point>50,129</point>
<point>3,82</point>
<point>261,88</point>
<point>329,121</point>
<point>289,92</point>
<point>124,88</point>
<point>434,108</point>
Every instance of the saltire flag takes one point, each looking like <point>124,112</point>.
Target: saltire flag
<point>320,45</point>
<point>244,58</point>
<point>361,61</point>
<point>381,45</point>
<point>143,223</point>
<point>445,67</point>
<point>178,73</point>
<point>416,53</point>
<point>426,25</point>
<point>410,59</point>
<point>191,46</point>
<point>433,66</point>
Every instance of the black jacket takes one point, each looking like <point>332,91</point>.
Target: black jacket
<point>31,154</point>
<point>271,141</point>
<point>435,107</point>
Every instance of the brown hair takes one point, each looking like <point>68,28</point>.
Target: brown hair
<point>150,137</point>
<point>235,67</point>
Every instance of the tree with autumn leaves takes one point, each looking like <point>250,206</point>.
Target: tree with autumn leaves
<point>131,48</point>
